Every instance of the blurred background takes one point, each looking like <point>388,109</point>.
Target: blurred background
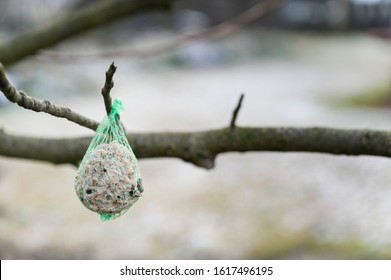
<point>310,63</point>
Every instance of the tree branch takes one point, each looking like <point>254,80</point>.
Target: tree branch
<point>201,148</point>
<point>88,18</point>
<point>218,31</point>
<point>109,84</point>
<point>37,105</point>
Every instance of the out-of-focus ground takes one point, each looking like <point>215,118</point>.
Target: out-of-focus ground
<point>251,205</point>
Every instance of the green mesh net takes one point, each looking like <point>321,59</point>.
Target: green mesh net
<point>108,180</point>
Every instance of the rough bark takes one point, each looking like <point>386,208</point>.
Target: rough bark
<point>201,148</point>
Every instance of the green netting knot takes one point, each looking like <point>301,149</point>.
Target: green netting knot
<point>116,108</point>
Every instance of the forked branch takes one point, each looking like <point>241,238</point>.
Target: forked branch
<point>199,148</point>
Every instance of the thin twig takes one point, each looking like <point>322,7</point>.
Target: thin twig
<point>235,112</point>
<point>31,103</point>
<point>109,84</point>
<point>221,30</point>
